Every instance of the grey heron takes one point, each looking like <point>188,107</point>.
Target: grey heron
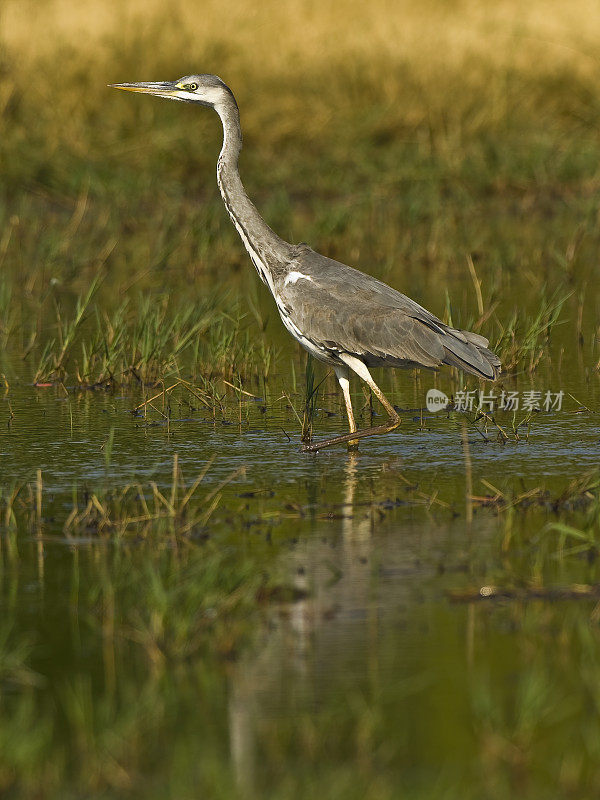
<point>341,316</point>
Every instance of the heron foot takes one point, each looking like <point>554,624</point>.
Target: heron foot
<point>353,438</point>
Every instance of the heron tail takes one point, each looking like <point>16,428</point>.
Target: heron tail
<point>469,351</point>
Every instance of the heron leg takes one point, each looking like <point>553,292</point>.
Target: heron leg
<point>343,375</point>
<point>360,368</point>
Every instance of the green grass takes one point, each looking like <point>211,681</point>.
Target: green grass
<point>405,168</point>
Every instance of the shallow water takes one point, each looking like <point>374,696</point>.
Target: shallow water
<point>373,682</point>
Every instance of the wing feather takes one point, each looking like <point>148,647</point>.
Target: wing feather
<point>344,310</point>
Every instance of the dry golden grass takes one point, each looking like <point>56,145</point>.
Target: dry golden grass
<point>287,38</point>
<point>419,60</point>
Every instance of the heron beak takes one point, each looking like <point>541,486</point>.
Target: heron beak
<point>160,89</point>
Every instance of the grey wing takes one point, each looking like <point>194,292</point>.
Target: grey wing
<point>343,310</point>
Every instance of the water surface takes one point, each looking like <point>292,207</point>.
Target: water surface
<point>365,678</point>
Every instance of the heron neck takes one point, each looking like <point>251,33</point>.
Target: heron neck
<point>268,252</point>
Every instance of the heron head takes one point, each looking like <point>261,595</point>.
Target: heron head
<point>206,90</point>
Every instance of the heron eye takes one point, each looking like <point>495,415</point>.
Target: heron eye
<point>191,86</point>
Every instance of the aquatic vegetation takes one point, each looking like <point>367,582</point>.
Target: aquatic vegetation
<point>8,313</point>
<point>130,509</point>
<point>525,340</point>
<point>585,538</point>
<point>144,343</point>
<point>310,402</point>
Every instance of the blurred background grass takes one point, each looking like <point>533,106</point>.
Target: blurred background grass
<point>400,137</point>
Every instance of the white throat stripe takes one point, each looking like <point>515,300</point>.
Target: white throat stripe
<point>293,277</point>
